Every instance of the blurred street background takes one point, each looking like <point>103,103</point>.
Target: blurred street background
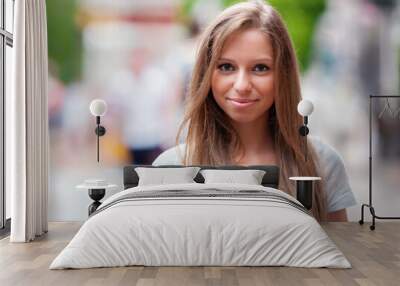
<point>138,55</point>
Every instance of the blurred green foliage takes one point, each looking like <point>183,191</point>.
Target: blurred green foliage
<point>300,16</point>
<point>64,38</point>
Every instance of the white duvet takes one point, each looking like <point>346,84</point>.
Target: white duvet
<point>182,231</point>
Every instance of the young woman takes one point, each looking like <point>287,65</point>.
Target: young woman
<point>242,108</point>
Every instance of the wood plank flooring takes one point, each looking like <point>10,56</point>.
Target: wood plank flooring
<point>374,255</point>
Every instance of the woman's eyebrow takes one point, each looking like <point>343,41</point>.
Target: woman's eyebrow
<point>264,59</point>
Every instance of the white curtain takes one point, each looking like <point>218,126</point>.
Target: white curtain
<point>27,140</point>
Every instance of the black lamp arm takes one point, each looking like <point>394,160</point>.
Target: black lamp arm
<point>303,130</point>
<point>100,131</point>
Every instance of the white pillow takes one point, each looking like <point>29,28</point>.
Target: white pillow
<point>162,176</point>
<point>249,177</point>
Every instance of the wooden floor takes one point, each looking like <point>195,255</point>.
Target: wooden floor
<point>374,255</point>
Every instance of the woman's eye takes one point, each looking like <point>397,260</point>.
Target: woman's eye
<point>261,68</point>
<point>226,67</point>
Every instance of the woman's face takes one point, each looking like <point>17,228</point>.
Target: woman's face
<point>243,80</point>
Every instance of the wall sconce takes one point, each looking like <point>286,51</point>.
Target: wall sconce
<point>98,108</point>
<point>305,108</point>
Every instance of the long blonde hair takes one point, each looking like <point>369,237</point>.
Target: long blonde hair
<point>211,138</point>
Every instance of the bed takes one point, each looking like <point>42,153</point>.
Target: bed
<point>201,223</point>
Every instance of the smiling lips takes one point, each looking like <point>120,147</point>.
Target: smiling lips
<point>242,102</point>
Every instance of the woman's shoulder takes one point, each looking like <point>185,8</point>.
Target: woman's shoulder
<point>171,156</point>
<point>334,175</point>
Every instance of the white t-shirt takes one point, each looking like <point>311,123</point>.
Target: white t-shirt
<point>333,173</point>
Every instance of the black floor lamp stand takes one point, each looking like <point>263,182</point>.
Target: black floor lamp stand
<point>369,205</point>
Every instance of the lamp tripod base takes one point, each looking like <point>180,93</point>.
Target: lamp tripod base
<point>374,216</point>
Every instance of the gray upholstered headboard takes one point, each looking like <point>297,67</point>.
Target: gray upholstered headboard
<point>270,179</point>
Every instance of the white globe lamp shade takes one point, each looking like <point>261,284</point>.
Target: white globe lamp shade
<point>305,107</point>
<point>98,107</point>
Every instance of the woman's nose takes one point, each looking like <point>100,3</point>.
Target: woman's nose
<point>242,82</point>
